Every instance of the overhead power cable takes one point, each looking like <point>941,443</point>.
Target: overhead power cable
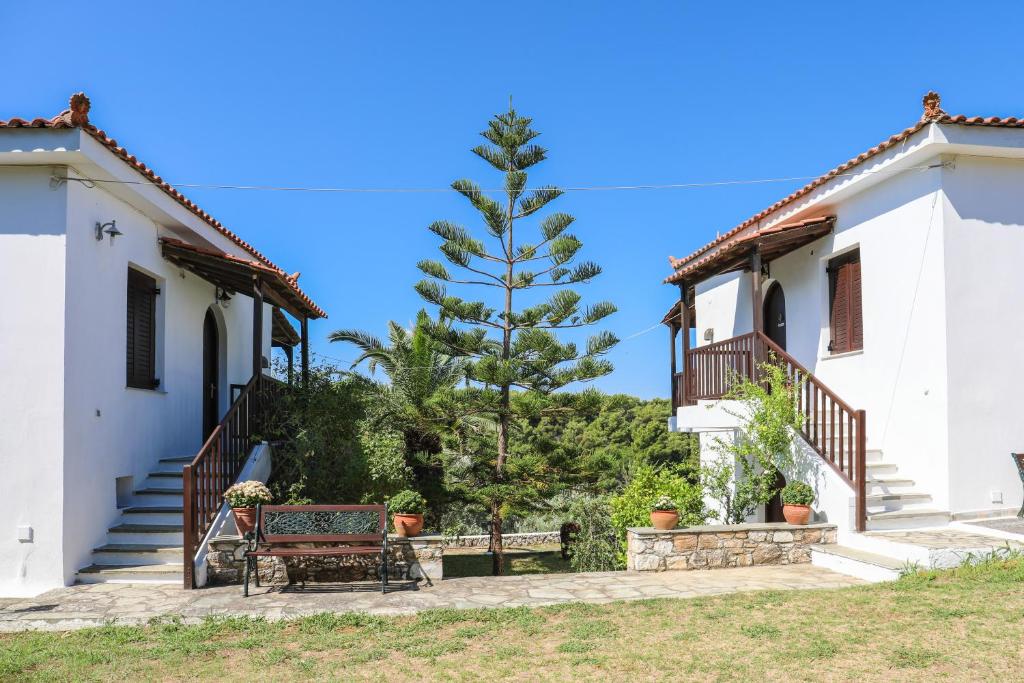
<point>428,190</point>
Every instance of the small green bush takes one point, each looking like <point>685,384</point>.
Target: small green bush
<point>407,503</point>
<point>594,548</point>
<point>797,493</point>
<point>632,507</point>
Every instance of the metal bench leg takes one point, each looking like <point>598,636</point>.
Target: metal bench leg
<point>245,584</point>
<point>1020,515</point>
<point>384,570</point>
<point>256,571</point>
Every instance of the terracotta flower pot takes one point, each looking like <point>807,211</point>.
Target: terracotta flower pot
<point>664,519</point>
<point>245,519</point>
<point>408,525</point>
<point>796,514</point>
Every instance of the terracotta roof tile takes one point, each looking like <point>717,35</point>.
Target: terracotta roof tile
<point>77,116</point>
<point>932,114</point>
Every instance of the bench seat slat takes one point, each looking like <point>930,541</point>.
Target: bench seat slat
<point>296,552</point>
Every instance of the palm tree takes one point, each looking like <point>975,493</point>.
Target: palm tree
<point>418,395</point>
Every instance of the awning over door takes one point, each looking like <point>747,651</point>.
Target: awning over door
<point>772,243</point>
<point>237,275</point>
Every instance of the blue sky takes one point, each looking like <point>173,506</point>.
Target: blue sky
<point>372,95</point>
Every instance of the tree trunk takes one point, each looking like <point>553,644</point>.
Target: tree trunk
<point>497,550</point>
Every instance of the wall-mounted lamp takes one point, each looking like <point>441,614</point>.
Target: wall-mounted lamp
<point>109,229</point>
<point>222,297</point>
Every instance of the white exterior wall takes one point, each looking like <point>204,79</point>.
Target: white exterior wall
<point>899,378</point>
<point>32,246</point>
<point>940,253</point>
<point>135,427</point>
<point>984,243</point>
<point>71,426</point>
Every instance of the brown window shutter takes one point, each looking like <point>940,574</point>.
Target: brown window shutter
<point>141,331</point>
<point>845,313</point>
<point>856,311</point>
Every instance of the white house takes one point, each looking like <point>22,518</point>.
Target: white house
<point>133,321</point>
<point>891,290</point>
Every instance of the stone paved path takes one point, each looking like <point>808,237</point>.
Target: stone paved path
<point>1012,525</point>
<point>944,539</point>
<point>97,604</point>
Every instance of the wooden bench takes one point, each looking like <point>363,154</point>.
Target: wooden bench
<point>279,527</point>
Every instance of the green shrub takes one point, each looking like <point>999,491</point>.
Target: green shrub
<point>594,548</point>
<point>632,507</point>
<point>797,493</point>
<point>743,475</point>
<point>407,503</point>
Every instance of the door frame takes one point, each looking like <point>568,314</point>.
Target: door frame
<point>220,370</point>
<point>775,289</point>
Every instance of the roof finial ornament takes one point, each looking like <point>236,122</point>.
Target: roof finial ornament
<point>931,103</point>
<point>79,107</point>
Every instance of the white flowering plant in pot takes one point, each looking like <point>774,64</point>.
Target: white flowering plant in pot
<point>243,498</point>
<point>664,513</point>
<point>247,494</point>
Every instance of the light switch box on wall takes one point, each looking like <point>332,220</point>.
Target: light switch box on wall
<point>25,534</point>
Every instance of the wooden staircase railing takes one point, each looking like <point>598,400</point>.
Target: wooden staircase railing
<point>219,462</point>
<point>833,429</point>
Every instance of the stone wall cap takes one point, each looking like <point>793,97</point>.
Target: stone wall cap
<point>729,528</point>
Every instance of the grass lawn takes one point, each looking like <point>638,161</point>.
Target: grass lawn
<point>545,559</point>
<point>961,625</point>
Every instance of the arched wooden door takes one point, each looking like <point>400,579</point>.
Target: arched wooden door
<point>773,508</point>
<point>211,372</point>
<point>775,314</point>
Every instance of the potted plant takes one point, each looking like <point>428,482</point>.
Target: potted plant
<point>243,498</point>
<point>796,502</point>
<point>407,508</point>
<point>664,513</point>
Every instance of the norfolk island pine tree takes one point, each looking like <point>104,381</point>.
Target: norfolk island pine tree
<point>507,347</point>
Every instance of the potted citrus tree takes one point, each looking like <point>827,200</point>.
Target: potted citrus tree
<point>407,508</point>
<point>243,498</point>
<point>664,513</point>
<point>796,502</point>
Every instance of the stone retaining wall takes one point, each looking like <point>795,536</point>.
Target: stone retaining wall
<point>733,545</point>
<point>408,558</point>
<point>508,540</point>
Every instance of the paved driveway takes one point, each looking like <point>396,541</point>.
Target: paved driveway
<point>91,605</point>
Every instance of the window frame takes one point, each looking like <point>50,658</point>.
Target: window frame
<point>140,283</point>
<point>846,265</point>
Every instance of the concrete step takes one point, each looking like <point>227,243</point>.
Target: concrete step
<point>158,497</point>
<point>906,519</point>
<point>883,502</point>
<point>146,573</point>
<point>168,466</point>
<point>888,485</point>
<point>153,514</point>
<point>182,459</point>
<point>146,534</point>
<point>854,562</point>
<point>880,469</point>
<point>136,554</point>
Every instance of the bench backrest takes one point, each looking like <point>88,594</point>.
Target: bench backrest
<point>327,523</point>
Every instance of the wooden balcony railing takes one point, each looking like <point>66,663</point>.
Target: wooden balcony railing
<point>219,461</point>
<point>832,428</point>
